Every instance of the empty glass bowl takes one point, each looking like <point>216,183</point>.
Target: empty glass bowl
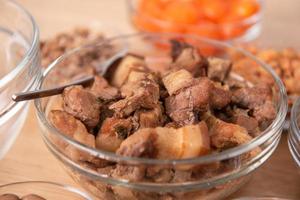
<point>19,58</point>
<point>212,183</point>
<point>47,190</point>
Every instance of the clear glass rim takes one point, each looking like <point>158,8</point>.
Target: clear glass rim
<point>293,120</point>
<point>239,172</point>
<point>294,132</point>
<point>260,198</point>
<point>58,185</point>
<point>229,153</point>
<point>247,21</point>
<point>34,44</point>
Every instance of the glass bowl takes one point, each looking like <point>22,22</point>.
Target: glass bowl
<point>261,198</point>
<point>47,190</point>
<point>294,132</point>
<point>242,30</point>
<point>19,58</point>
<point>212,183</point>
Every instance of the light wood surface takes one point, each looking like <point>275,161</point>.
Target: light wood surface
<point>30,160</point>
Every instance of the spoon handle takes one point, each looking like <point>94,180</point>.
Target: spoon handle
<point>50,92</point>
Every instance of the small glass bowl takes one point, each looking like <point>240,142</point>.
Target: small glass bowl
<point>294,132</point>
<point>238,31</point>
<point>212,183</point>
<point>20,68</point>
<point>47,190</point>
<point>261,198</point>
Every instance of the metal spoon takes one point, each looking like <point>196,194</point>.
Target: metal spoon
<point>102,69</point>
<point>50,92</point>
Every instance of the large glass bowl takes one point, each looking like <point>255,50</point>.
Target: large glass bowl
<point>19,58</point>
<point>294,132</point>
<point>213,184</point>
<point>47,190</point>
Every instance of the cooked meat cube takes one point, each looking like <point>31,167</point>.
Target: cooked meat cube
<point>188,57</point>
<point>32,197</point>
<point>112,132</point>
<point>9,197</point>
<point>259,100</point>
<point>158,63</point>
<point>177,47</point>
<point>101,89</point>
<point>82,104</point>
<point>251,97</point>
<point>144,93</point>
<point>196,141</point>
<point>219,98</point>
<point>265,114</point>
<point>159,174</point>
<point>241,117</point>
<point>128,63</point>
<point>75,129</point>
<point>133,82</point>
<point>167,143</point>
<point>177,80</point>
<point>181,176</point>
<point>129,172</point>
<point>234,81</point>
<point>218,69</point>
<point>139,144</point>
<point>225,135</point>
<point>184,106</point>
<point>150,118</point>
<point>171,125</point>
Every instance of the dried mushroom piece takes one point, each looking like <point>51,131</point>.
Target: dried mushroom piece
<point>75,129</point>
<point>82,104</point>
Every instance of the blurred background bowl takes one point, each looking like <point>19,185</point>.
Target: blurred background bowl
<point>19,58</point>
<point>232,20</point>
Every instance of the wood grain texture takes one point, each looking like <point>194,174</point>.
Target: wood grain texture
<point>30,160</point>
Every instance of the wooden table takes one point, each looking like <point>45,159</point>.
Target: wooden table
<point>30,160</point>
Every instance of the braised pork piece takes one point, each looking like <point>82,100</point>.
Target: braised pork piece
<point>189,109</point>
